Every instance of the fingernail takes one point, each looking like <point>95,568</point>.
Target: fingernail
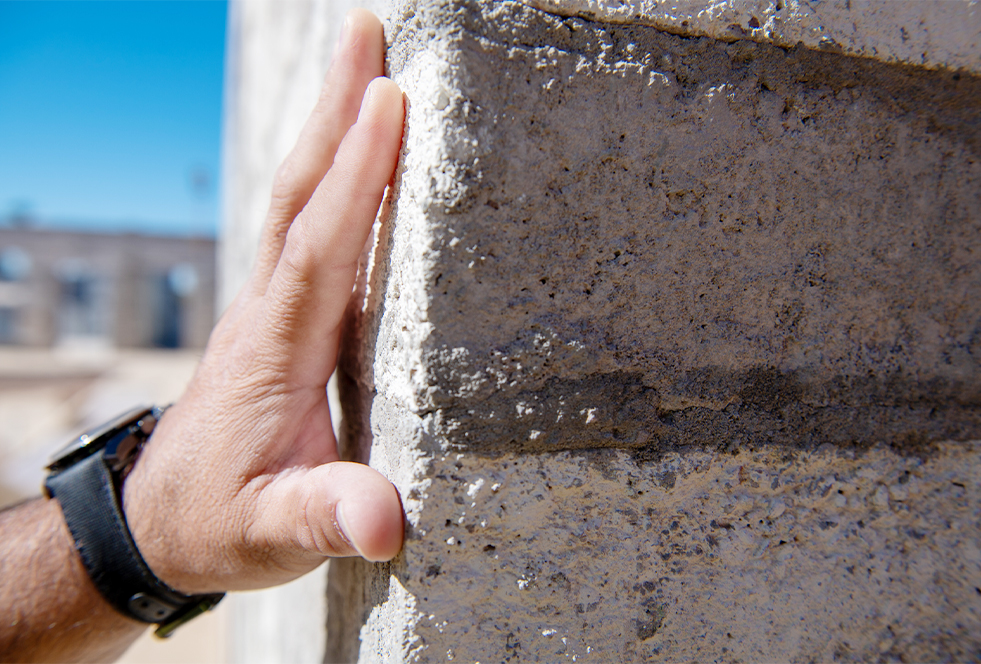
<point>366,100</point>
<point>342,37</point>
<point>345,29</point>
<point>344,529</point>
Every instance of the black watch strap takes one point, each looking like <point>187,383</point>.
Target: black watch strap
<point>88,494</point>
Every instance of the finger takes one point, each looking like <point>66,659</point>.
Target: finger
<point>360,57</point>
<point>312,282</point>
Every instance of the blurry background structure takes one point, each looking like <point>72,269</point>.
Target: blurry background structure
<point>69,288</point>
<point>110,126</point>
<point>110,131</point>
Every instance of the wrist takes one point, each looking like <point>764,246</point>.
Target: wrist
<point>164,533</point>
<point>87,479</point>
<point>151,522</point>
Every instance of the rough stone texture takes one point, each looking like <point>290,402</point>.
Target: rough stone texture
<point>919,32</point>
<point>613,224</point>
<point>757,556</point>
<point>623,269</point>
<point>630,279</point>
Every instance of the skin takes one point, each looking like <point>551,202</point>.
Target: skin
<point>241,486</point>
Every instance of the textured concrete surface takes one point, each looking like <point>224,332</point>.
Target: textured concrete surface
<point>920,32</point>
<point>753,556</point>
<point>669,338</point>
<point>671,237</point>
<point>624,268</point>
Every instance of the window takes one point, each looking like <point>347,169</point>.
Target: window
<point>15,268</point>
<point>84,307</point>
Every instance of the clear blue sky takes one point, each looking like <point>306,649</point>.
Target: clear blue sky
<point>110,112</point>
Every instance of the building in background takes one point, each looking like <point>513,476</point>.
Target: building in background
<point>62,288</point>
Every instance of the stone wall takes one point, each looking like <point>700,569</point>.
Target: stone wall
<point>670,333</point>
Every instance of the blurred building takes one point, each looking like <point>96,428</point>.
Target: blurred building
<point>62,288</point>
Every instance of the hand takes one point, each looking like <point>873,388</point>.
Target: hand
<point>240,486</point>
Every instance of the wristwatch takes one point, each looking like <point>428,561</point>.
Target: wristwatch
<point>86,477</point>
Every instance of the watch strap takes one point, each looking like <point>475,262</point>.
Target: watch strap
<point>89,497</point>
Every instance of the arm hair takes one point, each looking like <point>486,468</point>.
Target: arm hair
<point>50,611</point>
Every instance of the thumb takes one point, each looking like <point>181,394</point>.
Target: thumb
<point>337,509</point>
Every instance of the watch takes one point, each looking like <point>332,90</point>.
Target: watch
<point>86,477</point>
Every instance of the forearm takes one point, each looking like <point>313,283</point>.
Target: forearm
<point>49,608</point>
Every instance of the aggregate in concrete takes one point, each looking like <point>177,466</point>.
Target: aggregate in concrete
<point>933,34</point>
<point>709,557</point>
<point>671,346</point>
<point>596,555</point>
<point>609,235</point>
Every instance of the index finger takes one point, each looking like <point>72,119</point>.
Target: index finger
<point>312,282</point>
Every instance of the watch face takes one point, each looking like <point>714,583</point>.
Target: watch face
<point>94,439</point>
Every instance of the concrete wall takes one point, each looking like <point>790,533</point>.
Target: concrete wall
<point>671,336</point>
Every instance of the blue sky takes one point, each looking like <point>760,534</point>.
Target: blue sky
<point>110,113</point>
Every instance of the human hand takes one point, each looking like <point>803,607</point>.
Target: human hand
<point>240,486</point>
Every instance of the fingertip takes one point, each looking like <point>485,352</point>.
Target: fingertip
<point>361,16</point>
<point>383,96</point>
<point>371,521</point>
<point>358,23</point>
<point>359,50</point>
<point>362,37</point>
